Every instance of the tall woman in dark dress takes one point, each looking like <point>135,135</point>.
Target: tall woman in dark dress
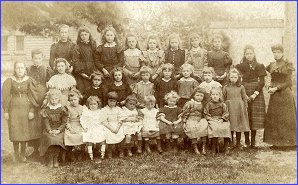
<point>280,125</point>
<point>84,65</point>
<point>253,74</point>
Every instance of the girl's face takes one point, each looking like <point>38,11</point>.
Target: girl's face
<point>54,100</point>
<point>207,76</point>
<point>130,105</point>
<point>112,102</point>
<point>217,43</point>
<point>186,72</point>
<point>152,44</point>
<point>233,77</point>
<point>85,36</point>
<point>277,54</point>
<point>20,70</point>
<point>96,81</point>
<point>172,101</point>
<point>37,59</point>
<point>215,95</point>
<point>61,67</point>
<point>145,77</point>
<point>150,105</point>
<point>110,36</point>
<point>93,105</point>
<point>74,101</point>
<point>118,76</point>
<point>64,33</point>
<point>199,97</point>
<point>174,43</point>
<point>195,42</point>
<point>132,42</point>
<point>249,54</point>
<point>167,73</point>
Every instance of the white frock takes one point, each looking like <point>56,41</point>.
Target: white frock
<point>131,127</point>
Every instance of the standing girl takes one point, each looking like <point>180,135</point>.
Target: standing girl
<point>108,55</point>
<point>132,125</point>
<point>236,99</point>
<point>196,56</point>
<point>94,131</point>
<point>62,81</point>
<point>73,135</point>
<point>154,57</point>
<point>64,48</point>
<point>144,87</point>
<point>219,59</point>
<point>186,84</point>
<point>280,125</point>
<point>209,83</point>
<point>84,64</point>
<point>120,85</point>
<point>217,115</point>
<point>55,117</point>
<point>196,126</point>
<point>165,84</point>
<point>96,89</point>
<point>19,104</point>
<point>112,120</point>
<point>174,54</point>
<point>132,59</point>
<point>253,74</point>
<point>150,128</point>
<point>170,124</point>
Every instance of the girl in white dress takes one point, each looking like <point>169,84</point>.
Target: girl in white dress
<point>94,131</point>
<point>112,120</point>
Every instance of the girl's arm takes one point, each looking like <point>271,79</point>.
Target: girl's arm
<point>244,95</point>
<point>64,120</point>
<point>52,56</point>
<point>47,124</point>
<point>224,93</point>
<point>163,119</point>
<point>225,115</point>
<point>6,97</point>
<point>206,112</point>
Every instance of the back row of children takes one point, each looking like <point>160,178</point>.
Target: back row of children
<point>163,95</point>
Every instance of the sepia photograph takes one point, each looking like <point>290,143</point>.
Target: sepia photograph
<point>148,92</point>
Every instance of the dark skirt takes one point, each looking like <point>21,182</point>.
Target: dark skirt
<point>171,129</point>
<point>256,109</point>
<point>48,140</point>
<point>280,125</point>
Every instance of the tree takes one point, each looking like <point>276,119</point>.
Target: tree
<point>43,18</point>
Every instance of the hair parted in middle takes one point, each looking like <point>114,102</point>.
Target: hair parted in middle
<point>234,71</point>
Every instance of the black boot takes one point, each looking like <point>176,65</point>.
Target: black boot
<point>147,146</point>
<point>238,139</point>
<point>253,138</point>
<point>247,141</point>
<point>159,149</point>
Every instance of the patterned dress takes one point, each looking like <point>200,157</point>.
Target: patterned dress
<point>154,59</point>
<point>236,100</point>
<point>185,89</point>
<point>53,118</point>
<point>253,80</point>
<point>217,115</point>
<point>150,123</point>
<point>91,121</point>
<point>195,126</point>
<point>18,99</point>
<point>131,127</point>
<point>197,57</point>
<point>64,83</point>
<point>74,133</point>
<point>142,89</point>
<point>280,124</point>
<point>132,64</point>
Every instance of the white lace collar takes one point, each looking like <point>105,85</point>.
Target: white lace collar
<point>110,45</point>
<point>145,83</point>
<point>25,78</point>
<point>133,52</point>
<point>189,79</point>
<point>117,84</point>
<point>152,51</point>
<point>54,106</point>
<point>171,107</point>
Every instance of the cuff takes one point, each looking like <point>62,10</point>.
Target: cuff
<point>257,93</point>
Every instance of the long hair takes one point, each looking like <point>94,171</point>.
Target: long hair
<point>119,69</point>
<point>126,41</point>
<point>109,28</point>
<point>174,36</point>
<point>92,42</point>
<point>14,66</point>
<point>244,50</point>
<point>219,90</point>
<point>234,71</point>
<point>153,37</point>
<point>194,36</point>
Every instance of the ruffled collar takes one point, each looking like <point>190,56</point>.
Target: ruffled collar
<point>174,49</point>
<point>186,79</point>
<point>196,49</point>
<point>152,51</point>
<point>194,101</point>
<point>25,78</point>
<point>85,42</point>
<point>110,45</point>
<point>117,84</point>
<point>145,83</point>
<point>133,52</point>
<point>62,82</point>
<point>52,107</point>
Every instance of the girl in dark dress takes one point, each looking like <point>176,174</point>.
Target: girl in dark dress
<point>109,55</point>
<point>280,124</point>
<point>19,104</point>
<point>85,63</point>
<point>253,74</point>
<point>64,48</point>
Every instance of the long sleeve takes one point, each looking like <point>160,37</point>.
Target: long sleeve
<point>206,112</point>
<point>120,57</point>
<point>64,120</point>
<point>52,56</point>
<point>97,58</point>
<point>46,122</point>
<point>286,83</point>
<point>77,61</point>
<point>224,93</point>
<point>261,74</point>
<point>244,95</point>
<point>227,61</point>
<point>6,95</point>
<point>225,115</point>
